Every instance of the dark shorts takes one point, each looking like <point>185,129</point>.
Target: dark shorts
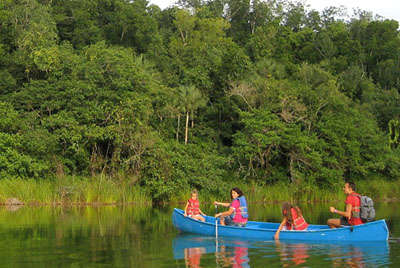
<point>229,221</point>
<point>344,221</point>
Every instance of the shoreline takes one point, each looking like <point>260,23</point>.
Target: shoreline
<point>101,204</point>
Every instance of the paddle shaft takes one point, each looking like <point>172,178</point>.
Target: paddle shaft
<point>216,222</point>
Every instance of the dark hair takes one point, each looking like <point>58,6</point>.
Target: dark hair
<point>287,211</point>
<point>239,192</point>
<point>352,185</point>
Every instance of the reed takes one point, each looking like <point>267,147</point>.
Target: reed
<point>279,192</point>
<point>103,189</point>
<point>72,189</point>
<point>100,189</point>
<point>27,191</point>
<point>379,189</point>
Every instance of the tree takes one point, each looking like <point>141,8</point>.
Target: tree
<point>394,133</point>
<point>78,21</point>
<point>202,55</point>
<point>35,36</point>
<point>238,15</point>
<point>191,99</point>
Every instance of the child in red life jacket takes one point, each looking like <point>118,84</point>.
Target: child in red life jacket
<point>192,208</point>
<point>292,219</point>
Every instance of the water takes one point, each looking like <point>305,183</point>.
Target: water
<point>142,236</point>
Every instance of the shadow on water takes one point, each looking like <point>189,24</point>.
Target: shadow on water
<point>199,251</point>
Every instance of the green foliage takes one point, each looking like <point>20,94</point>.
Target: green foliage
<point>15,161</point>
<point>269,93</point>
<point>394,133</point>
<point>172,167</point>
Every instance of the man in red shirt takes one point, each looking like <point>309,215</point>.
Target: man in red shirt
<point>351,215</point>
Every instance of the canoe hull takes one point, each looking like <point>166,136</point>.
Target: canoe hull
<point>373,231</point>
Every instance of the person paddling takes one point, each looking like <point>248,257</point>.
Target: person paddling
<point>351,215</point>
<point>236,215</point>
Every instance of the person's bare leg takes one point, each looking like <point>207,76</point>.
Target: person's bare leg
<point>334,223</point>
<point>222,221</point>
<point>199,217</point>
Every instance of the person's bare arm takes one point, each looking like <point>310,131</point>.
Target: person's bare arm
<point>187,204</point>
<point>346,213</point>
<point>284,220</point>
<point>222,204</point>
<point>225,213</point>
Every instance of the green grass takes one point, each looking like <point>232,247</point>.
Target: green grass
<point>102,189</point>
<point>377,189</point>
<point>27,191</point>
<point>72,189</point>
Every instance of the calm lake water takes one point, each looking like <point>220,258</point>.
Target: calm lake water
<point>143,236</point>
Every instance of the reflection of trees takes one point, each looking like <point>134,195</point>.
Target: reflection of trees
<point>103,234</point>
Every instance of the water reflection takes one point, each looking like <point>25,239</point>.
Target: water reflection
<point>143,237</point>
<point>292,253</point>
<point>232,256</point>
<point>360,255</point>
<point>193,256</point>
<point>337,254</point>
<point>228,252</point>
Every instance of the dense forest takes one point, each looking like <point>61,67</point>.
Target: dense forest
<point>201,94</point>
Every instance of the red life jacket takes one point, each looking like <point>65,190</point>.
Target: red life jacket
<point>356,210</point>
<point>193,207</point>
<point>299,223</point>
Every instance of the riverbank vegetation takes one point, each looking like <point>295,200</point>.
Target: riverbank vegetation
<point>119,101</point>
<point>100,190</point>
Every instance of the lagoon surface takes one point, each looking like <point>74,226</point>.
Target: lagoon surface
<point>143,236</point>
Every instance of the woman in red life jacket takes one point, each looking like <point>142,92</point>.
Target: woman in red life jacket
<point>351,215</point>
<point>292,219</point>
<point>192,208</point>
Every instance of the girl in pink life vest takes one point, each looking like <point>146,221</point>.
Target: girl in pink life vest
<point>192,208</point>
<point>292,219</point>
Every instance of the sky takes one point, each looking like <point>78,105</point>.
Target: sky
<point>389,9</point>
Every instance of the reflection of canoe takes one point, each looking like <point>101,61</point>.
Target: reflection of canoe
<point>340,253</point>
<point>207,243</point>
<point>228,251</point>
<point>372,231</point>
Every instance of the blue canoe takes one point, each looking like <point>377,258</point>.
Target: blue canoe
<point>372,231</point>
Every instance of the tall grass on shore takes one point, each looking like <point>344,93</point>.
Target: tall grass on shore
<point>71,190</point>
<point>27,191</point>
<point>287,192</point>
<point>102,189</point>
<point>379,190</point>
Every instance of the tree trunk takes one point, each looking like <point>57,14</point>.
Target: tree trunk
<point>187,127</point>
